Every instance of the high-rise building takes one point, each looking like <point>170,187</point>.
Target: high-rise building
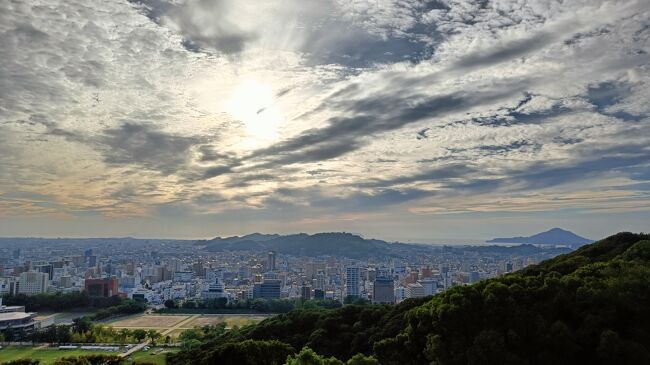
<point>33,283</point>
<point>383,291</point>
<point>305,292</point>
<point>474,277</point>
<point>320,281</point>
<point>319,294</point>
<point>271,261</point>
<point>400,293</point>
<point>427,273</point>
<point>268,289</point>
<point>430,286</point>
<point>198,269</point>
<point>415,290</point>
<point>412,277</point>
<point>104,287</point>
<point>47,269</point>
<point>352,281</point>
<point>65,281</point>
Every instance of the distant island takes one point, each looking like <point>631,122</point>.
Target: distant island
<point>555,236</point>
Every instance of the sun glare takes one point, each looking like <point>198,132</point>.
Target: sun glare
<point>253,103</point>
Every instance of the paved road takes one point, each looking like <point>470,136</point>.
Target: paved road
<point>163,334</point>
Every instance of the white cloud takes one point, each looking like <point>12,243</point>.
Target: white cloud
<point>535,85</point>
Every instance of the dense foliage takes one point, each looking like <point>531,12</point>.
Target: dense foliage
<point>97,359</point>
<point>125,306</point>
<point>60,302</point>
<point>246,306</point>
<point>588,306</point>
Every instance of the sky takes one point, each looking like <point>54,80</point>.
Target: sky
<point>408,120</point>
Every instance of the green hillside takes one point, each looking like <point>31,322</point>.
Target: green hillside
<point>589,306</point>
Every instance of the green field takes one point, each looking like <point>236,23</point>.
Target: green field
<point>48,355</point>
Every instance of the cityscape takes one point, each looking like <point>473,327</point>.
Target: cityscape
<point>184,272</point>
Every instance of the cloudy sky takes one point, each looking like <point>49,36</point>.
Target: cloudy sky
<point>399,119</point>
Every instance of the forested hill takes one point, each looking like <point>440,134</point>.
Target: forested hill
<point>586,307</point>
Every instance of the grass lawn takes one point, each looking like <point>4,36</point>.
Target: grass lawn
<point>47,356</point>
<point>146,356</point>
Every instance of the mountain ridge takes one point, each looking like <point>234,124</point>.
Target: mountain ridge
<point>554,236</point>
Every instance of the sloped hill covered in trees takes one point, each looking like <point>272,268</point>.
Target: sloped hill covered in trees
<point>588,306</point>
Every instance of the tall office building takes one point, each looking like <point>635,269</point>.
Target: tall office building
<point>268,289</point>
<point>271,261</point>
<point>305,292</point>
<point>415,290</point>
<point>352,281</point>
<point>104,287</point>
<point>46,268</point>
<point>383,291</point>
<point>33,283</point>
<point>430,286</point>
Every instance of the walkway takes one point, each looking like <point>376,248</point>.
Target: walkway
<point>169,330</point>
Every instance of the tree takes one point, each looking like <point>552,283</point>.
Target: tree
<point>63,334</point>
<point>139,334</point>
<point>170,303</point>
<point>81,324</point>
<point>153,336</point>
<point>22,362</point>
<point>124,334</point>
<point>307,356</point>
<point>361,359</point>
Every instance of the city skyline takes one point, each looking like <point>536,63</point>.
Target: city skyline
<point>399,120</point>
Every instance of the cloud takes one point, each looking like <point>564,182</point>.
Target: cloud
<point>146,146</point>
<point>385,108</point>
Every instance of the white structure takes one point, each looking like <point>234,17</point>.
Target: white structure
<point>400,293</point>
<point>415,290</point>
<point>430,286</point>
<point>33,283</point>
<point>214,290</point>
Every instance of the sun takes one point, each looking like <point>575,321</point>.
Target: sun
<point>253,103</point>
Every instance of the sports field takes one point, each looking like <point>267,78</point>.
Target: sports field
<point>174,324</point>
<point>47,356</point>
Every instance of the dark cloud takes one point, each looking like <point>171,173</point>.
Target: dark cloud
<point>505,52</point>
<point>204,24</point>
<point>607,161</point>
<point>217,171</point>
<point>362,201</point>
<point>147,146</point>
<point>422,134</point>
<point>606,95</point>
<point>373,115</point>
<point>437,174</point>
<point>513,146</point>
<point>244,180</point>
<point>208,199</point>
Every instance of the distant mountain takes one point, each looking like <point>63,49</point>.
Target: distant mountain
<point>555,236</point>
<point>350,245</point>
<point>302,244</point>
<point>255,237</point>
